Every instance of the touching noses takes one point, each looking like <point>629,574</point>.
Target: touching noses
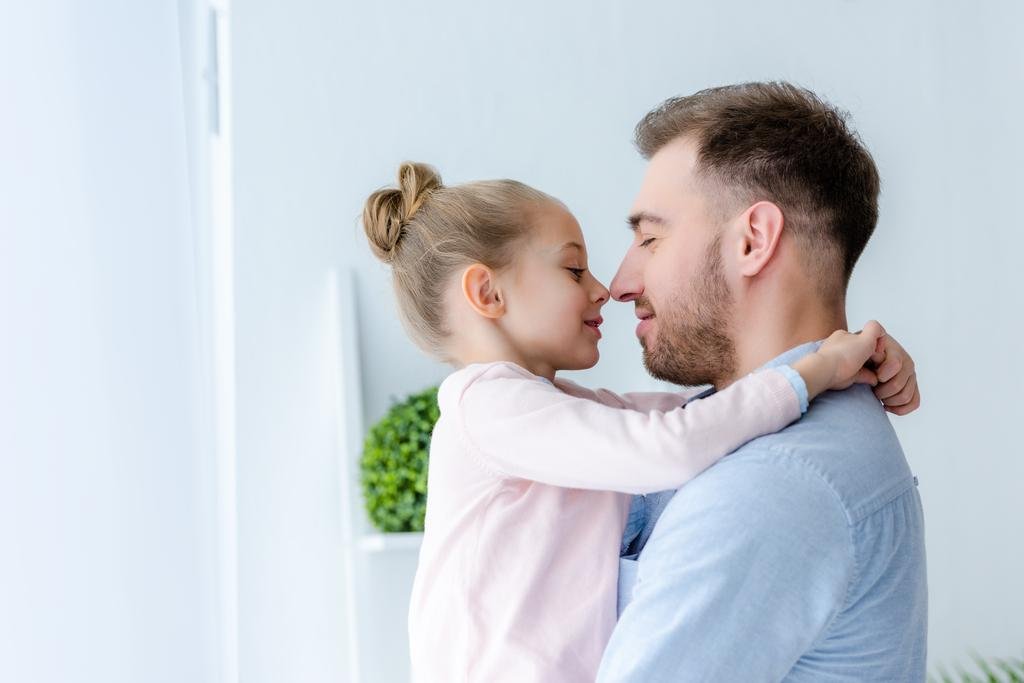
<point>627,284</point>
<point>599,293</point>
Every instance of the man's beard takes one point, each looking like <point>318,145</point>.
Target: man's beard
<point>692,345</point>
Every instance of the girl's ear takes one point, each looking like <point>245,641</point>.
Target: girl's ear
<point>480,287</point>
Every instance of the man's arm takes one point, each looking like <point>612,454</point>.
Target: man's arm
<point>745,569</point>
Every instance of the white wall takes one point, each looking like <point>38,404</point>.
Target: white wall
<point>330,97</point>
<point>291,580</point>
<point>107,558</point>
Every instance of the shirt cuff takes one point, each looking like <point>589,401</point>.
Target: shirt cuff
<point>798,384</point>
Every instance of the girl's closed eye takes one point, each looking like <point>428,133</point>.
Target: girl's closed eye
<point>577,273</point>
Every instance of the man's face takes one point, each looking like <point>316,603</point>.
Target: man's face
<point>673,272</point>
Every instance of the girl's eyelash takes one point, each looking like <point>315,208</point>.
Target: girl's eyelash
<point>577,273</point>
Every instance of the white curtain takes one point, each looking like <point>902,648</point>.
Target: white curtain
<point>108,566</point>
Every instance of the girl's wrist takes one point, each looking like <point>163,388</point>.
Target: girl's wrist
<point>817,369</point>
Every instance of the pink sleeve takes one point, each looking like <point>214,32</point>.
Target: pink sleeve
<point>523,427</point>
<point>645,401</point>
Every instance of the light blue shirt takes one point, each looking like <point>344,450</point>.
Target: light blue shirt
<point>799,557</point>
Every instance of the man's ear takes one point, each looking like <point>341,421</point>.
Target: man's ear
<point>480,287</point>
<point>761,230</point>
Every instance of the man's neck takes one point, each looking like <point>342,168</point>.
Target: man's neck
<point>765,336</point>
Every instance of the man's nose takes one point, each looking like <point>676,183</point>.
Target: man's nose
<point>627,284</point>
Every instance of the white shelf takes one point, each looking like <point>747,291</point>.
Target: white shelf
<point>398,542</point>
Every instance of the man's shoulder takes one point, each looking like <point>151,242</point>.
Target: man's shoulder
<point>826,472</point>
<point>844,443</point>
<point>758,499</point>
<point>755,474</point>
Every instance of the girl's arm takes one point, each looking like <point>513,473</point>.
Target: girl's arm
<point>523,427</point>
<point>644,401</point>
<point>895,372</point>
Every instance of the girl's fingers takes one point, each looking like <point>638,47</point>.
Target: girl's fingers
<point>905,395</point>
<point>865,376</point>
<point>888,389</point>
<point>879,355</point>
<point>886,392</point>
<point>914,404</point>
<point>893,365</point>
<point>873,329</point>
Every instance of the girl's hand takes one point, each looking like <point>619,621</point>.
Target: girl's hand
<point>840,362</point>
<point>897,379</point>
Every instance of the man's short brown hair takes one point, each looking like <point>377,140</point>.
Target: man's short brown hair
<point>784,144</point>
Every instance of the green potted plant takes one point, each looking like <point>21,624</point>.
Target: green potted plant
<point>394,463</point>
<point>988,671</point>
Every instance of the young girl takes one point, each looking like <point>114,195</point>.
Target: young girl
<point>530,476</point>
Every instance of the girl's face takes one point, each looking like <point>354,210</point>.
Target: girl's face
<point>553,302</point>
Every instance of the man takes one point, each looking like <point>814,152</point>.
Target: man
<point>800,556</point>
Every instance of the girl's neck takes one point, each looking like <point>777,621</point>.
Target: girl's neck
<point>482,341</point>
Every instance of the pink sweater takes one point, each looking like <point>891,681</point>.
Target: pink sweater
<point>528,498</point>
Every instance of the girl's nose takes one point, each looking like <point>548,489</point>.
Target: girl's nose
<point>600,293</point>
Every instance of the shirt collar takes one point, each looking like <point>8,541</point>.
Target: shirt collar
<point>793,355</point>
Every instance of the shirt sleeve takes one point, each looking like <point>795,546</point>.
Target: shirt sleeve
<point>527,428</point>
<point>745,570</point>
<point>799,385</point>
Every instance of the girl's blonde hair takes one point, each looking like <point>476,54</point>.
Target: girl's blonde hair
<point>427,232</point>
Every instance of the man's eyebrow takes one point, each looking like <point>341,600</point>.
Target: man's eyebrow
<point>639,217</point>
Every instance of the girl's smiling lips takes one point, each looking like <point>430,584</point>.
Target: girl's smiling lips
<point>595,324</point>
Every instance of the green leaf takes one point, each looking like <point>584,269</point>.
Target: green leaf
<point>1014,669</point>
<point>395,460</point>
<point>991,671</point>
<point>990,676</point>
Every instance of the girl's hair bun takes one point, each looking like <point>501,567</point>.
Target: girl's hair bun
<point>388,212</point>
